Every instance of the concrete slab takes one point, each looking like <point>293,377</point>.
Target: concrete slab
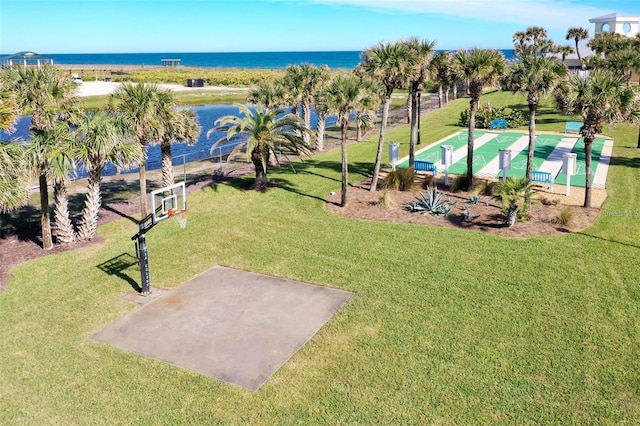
<point>236,326</point>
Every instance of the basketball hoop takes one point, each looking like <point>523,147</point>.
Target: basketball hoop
<point>181,215</point>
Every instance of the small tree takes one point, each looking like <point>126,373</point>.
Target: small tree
<point>262,134</point>
<point>514,192</point>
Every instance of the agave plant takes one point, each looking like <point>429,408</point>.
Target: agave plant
<point>432,203</point>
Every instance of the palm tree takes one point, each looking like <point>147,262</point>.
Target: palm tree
<point>601,97</point>
<point>536,74</point>
<point>576,34</point>
<point>52,153</point>
<point>101,141</point>
<point>387,63</point>
<point>441,69</point>
<point>420,55</point>
<point>265,132</point>
<point>139,109</point>
<point>13,176</point>
<point>50,97</point>
<point>13,171</point>
<point>178,125</point>
<point>270,95</point>
<point>564,50</point>
<point>343,96</point>
<point>308,79</point>
<point>480,67</point>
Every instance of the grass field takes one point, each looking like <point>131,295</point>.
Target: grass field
<point>446,327</point>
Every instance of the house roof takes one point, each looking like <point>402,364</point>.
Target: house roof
<point>615,17</point>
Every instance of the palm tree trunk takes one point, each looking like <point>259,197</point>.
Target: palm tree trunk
<point>89,219</point>
<point>306,117</point>
<point>345,164</point>
<point>455,92</point>
<point>383,128</point>
<point>261,168</point>
<point>359,124</point>
<point>413,135</point>
<point>64,228</point>
<point>409,107</point>
<point>532,140</point>
<point>440,94</point>
<point>473,107</point>
<point>638,146</point>
<point>588,141</point>
<point>167,166</point>
<point>45,220</point>
<point>320,128</point>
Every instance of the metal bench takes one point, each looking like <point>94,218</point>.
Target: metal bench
<point>425,166</point>
<point>498,123</point>
<point>542,177</point>
<point>572,126</point>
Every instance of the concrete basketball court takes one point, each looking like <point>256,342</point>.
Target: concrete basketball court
<point>235,326</point>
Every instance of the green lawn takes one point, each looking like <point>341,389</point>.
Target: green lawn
<point>446,327</point>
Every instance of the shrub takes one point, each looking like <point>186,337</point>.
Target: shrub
<point>432,203</point>
<point>428,182</point>
<point>386,200</point>
<point>400,179</point>
<point>488,188</point>
<point>459,183</point>
<point>513,192</point>
<point>486,113</point>
<point>564,216</point>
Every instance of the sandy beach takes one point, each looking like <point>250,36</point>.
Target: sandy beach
<point>98,88</point>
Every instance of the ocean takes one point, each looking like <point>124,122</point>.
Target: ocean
<point>266,60</point>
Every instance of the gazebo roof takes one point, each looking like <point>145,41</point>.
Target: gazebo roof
<point>25,55</point>
<point>25,58</point>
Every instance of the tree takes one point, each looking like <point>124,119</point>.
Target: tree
<point>13,171</point>
<point>441,69</point>
<point>576,34</point>
<point>304,81</point>
<point>50,97</point>
<point>13,176</point>
<point>342,97</point>
<point>480,67</point>
<point>420,54</point>
<point>178,125</point>
<point>387,63</point>
<point>51,154</point>
<point>101,141</point>
<point>270,95</point>
<point>264,133</point>
<point>564,50</point>
<point>601,97</point>
<point>138,107</point>
<point>536,74</point>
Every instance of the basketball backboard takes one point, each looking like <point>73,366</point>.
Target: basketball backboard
<point>167,198</point>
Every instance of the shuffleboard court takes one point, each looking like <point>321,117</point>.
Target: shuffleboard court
<point>548,155</point>
<point>544,146</point>
<point>598,160</point>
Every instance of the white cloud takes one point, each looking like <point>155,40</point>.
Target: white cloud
<point>550,14</point>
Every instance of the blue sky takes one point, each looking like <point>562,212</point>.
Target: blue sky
<point>121,26</point>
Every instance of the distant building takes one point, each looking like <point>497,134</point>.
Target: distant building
<point>25,59</point>
<point>620,23</point>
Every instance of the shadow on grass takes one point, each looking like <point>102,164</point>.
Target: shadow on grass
<point>625,161</point>
<point>116,265</point>
<point>609,240</point>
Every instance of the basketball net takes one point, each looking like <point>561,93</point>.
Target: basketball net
<point>181,216</point>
